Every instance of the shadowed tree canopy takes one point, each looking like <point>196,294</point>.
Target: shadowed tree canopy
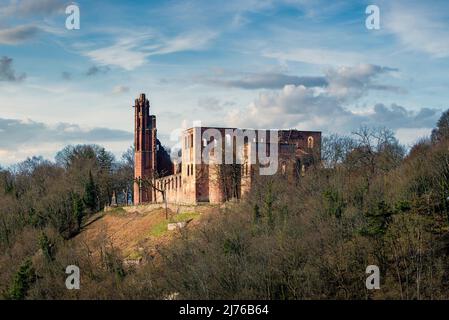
<point>441,132</point>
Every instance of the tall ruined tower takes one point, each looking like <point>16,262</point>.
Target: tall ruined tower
<point>145,150</point>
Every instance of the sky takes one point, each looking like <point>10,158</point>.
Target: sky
<point>309,65</point>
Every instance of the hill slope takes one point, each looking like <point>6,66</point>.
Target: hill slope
<point>133,232</point>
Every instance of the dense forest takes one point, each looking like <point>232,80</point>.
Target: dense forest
<point>370,201</point>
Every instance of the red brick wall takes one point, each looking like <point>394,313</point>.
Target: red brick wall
<point>145,148</point>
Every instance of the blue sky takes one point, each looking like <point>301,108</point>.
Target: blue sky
<point>302,64</point>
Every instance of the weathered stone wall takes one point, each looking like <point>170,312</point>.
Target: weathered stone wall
<point>174,207</point>
<point>173,188</point>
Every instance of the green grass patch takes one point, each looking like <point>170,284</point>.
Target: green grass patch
<point>118,211</point>
<point>159,229</point>
<point>180,217</point>
<point>135,255</point>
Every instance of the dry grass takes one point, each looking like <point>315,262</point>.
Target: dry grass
<point>130,232</point>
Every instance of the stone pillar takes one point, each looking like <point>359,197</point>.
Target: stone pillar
<point>145,149</point>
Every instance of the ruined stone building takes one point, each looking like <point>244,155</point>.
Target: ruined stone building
<point>215,164</point>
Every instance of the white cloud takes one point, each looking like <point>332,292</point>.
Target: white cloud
<point>307,109</point>
<point>132,51</point>
<point>354,82</point>
<point>410,136</point>
<point>120,89</point>
<point>317,56</point>
<point>184,42</point>
<point>125,53</point>
<point>419,28</point>
<point>46,150</point>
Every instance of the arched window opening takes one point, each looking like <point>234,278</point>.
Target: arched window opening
<point>310,142</point>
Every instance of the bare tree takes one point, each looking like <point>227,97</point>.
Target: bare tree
<point>147,183</point>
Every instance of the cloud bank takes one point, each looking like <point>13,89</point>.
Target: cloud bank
<point>326,108</point>
<point>16,133</point>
